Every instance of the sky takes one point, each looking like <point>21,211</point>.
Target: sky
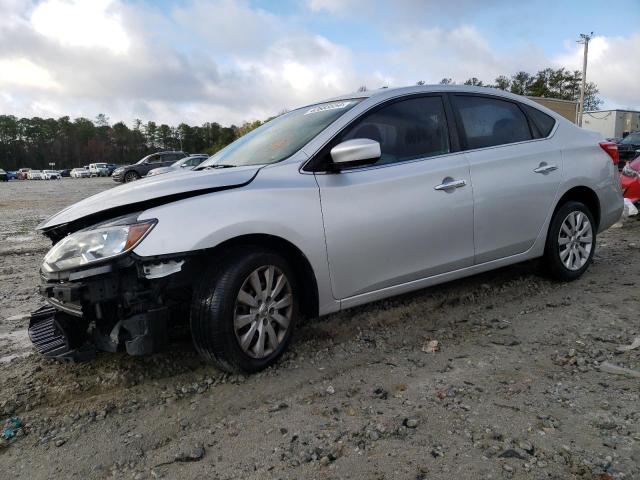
<point>231,61</point>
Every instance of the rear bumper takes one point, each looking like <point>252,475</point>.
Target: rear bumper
<point>630,188</point>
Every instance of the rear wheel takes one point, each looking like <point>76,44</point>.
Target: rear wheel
<point>244,312</point>
<point>131,177</point>
<point>571,241</point>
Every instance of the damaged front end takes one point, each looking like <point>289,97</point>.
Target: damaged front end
<point>104,297</point>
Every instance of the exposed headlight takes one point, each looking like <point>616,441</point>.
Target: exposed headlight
<point>118,170</point>
<point>100,243</point>
<point>627,171</point>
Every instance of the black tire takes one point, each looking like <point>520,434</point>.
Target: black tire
<point>131,176</point>
<point>553,263</point>
<point>214,306</point>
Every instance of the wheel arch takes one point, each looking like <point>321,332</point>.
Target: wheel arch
<point>305,274</point>
<point>584,195</point>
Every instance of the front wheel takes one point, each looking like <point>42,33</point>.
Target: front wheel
<point>244,311</point>
<point>571,241</point>
<point>130,177</point>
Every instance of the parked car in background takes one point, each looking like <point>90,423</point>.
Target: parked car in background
<point>630,179</point>
<point>186,163</point>
<point>65,173</point>
<point>13,174</point>
<point>326,207</point>
<point>23,173</point>
<point>51,175</point>
<point>35,175</point>
<point>627,147</point>
<point>4,176</point>
<point>130,173</point>
<point>80,173</point>
<point>98,170</point>
<point>110,168</point>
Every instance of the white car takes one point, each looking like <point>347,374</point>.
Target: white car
<point>50,175</point>
<point>98,170</point>
<point>323,208</point>
<point>80,173</point>
<point>35,175</point>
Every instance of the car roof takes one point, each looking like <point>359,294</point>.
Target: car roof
<point>385,93</point>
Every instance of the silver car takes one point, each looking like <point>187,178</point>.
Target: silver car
<point>326,207</point>
<point>189,162</point>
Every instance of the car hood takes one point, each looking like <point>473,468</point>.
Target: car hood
<point>147,193</point>
<point>162,170</point>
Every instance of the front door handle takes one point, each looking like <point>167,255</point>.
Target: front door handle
<point>544,168</point>
<point>449,184</point>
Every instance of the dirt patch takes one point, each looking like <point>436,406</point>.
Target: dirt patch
<point>513,387</point>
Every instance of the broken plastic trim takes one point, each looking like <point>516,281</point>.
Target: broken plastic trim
<point>163,269</point>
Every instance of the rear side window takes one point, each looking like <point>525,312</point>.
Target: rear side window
<point>406,130</point>
<point>487,122</point>
<point>542,123</point>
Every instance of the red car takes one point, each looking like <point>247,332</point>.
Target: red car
<point>630,180</point>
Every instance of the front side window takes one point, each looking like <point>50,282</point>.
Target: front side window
<point>280,137</point>
<point>406,130</point>
<point>487,122</point>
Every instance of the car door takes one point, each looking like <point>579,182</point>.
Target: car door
<point>154,161</point>
<point>515,176</point>
<point>406,217</point>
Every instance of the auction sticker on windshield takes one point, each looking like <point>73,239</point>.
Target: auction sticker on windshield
<point>328,106</point>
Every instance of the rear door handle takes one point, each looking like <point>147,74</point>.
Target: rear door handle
<point>449,183</point>
<point>544,168</point>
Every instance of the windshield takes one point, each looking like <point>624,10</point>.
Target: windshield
<point>181,161</point>
<point>631,138</point>
<point>281,137</point>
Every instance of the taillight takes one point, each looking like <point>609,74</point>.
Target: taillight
<point>612,150</point>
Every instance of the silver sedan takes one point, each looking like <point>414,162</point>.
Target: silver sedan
<point>326,207</point>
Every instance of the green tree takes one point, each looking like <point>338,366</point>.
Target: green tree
<point>502,82</point>
<point>474,82</point>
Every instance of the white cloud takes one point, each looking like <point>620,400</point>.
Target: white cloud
<point>23,74</point>
<point>227,61</point>
<point>611,66</point>
<point>81,23</point>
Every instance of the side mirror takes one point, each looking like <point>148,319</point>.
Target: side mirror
<point>354,153</point>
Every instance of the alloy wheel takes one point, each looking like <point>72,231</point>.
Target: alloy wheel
<point>575,240</point>
<point>263,310</point>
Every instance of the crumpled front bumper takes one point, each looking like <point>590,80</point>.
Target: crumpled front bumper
<point>112,307</point>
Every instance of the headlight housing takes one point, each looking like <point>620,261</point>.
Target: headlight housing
<point>95,244</point>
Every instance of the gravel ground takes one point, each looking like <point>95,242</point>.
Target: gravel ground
<point>502,375</point>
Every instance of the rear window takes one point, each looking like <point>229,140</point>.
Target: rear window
<point>542,123</point>
<point>488,122</point>
<point>632,138</point>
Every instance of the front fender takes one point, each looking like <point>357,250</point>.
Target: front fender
<point>280,201</point>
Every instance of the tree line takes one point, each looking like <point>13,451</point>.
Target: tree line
<point>549,83</point>
<point>36,142</point>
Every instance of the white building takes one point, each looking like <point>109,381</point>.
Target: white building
<point>612,123</point>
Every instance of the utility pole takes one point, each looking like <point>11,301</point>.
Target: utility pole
<point>584,39</point>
